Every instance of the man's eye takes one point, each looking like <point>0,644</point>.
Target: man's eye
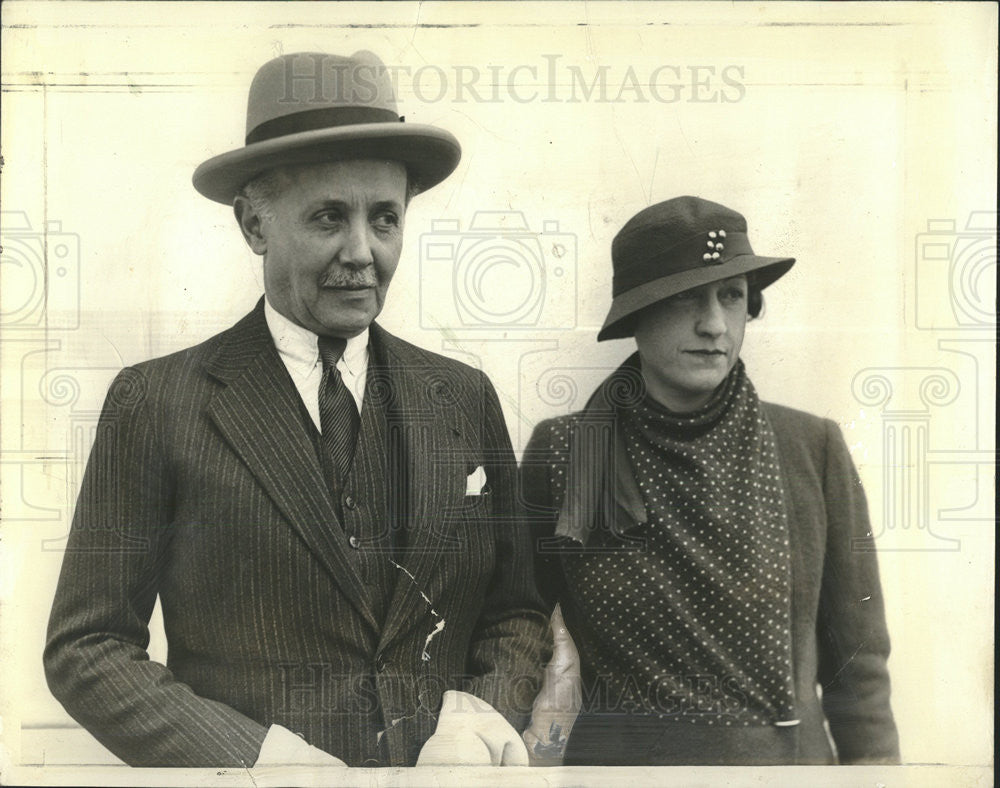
<point>385,221</point>
<point>329,217</point>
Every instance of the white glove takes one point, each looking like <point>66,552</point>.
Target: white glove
<point>471,732</point>
<point>558,703</point>
<point>281,747</point>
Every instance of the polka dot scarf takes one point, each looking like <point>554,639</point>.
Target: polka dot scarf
<point>711,486</point>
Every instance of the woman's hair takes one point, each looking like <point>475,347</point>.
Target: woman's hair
<point>755,299</point>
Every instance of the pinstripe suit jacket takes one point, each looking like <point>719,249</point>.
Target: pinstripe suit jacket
<point>204,487</point>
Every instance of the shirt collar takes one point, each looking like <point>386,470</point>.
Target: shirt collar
<point>298,345</point>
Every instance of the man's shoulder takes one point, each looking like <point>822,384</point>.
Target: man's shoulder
<point>182,365</point>
<point>189,357</point>
<point>416,358</point>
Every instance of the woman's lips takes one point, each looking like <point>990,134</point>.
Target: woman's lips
<point>708,357</point>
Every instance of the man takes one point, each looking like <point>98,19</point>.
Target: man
<point>325,511</point>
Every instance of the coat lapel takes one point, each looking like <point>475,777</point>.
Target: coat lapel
<point>258,414</point>
<point>428,454</point>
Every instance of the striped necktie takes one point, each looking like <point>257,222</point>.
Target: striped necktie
<point>338,414</point>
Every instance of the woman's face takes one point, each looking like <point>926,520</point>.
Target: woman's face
<point>689,342</point>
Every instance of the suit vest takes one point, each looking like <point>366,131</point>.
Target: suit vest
<point>363,500</point>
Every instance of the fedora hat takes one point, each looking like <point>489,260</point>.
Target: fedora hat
<point>674,246</point>
<point>311,107</point>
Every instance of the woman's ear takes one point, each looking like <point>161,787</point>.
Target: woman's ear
<point>251,224</point>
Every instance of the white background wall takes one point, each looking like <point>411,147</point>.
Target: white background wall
<point>839,131</point>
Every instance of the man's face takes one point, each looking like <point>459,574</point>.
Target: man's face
<point>331,243</point>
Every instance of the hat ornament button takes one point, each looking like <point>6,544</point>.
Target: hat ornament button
<point>715,246</point>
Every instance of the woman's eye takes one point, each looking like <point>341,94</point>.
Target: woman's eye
<point>733,295</point>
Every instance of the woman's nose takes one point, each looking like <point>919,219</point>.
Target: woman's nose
<point>711,319</point>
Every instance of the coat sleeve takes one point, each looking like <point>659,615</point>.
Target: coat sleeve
<point>95,658</point>
<point>540,498</point>
<point>853,639</point>
<point>511,643</point>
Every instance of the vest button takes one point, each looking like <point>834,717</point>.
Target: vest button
<point>354,542</point>
<point>349,502</point>
<point>379,662</point>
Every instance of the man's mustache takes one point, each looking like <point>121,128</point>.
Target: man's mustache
<point>356,279</point>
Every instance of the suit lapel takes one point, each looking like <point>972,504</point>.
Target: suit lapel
<point>428,452</point>
<point>258,414</point>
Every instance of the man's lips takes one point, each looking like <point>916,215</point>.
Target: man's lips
<point>350,288</point>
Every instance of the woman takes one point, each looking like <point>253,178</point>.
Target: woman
<point>708,550</point>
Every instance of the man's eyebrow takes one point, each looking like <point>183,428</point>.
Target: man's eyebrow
<point>328,202</point>
<point>394,205</point>
<point>344,205</point>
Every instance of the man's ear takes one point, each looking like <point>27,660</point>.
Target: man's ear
<point>251,224</point>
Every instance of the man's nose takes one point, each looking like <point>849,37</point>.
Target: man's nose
<point>357,250</point>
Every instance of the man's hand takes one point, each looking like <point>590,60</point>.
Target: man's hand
<point>470,732</point>
<point>281,747</point>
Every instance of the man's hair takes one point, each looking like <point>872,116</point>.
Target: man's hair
<point>262,190</point>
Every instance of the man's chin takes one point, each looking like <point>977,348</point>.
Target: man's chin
<point>346,323</point>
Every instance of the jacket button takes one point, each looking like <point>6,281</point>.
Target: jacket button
<point>354,542</point>
<point>379,662</point>
<point>349,502</point>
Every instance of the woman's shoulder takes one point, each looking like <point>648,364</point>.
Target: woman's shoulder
<point>797,422</point>
<point>552,434</point>
<point>801,435</point>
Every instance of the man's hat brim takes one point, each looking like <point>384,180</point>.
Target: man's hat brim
<point>430,155</point>
<point>620,320</point>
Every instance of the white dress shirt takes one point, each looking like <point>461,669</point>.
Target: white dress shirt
<point>299,351</point>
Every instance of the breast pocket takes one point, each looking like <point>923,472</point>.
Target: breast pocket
<point>467,517</point>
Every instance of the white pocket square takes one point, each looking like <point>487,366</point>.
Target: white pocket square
<point>476,481</point>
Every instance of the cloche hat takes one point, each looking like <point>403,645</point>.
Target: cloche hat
<point>313,107</point>
<point>674,246</point>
